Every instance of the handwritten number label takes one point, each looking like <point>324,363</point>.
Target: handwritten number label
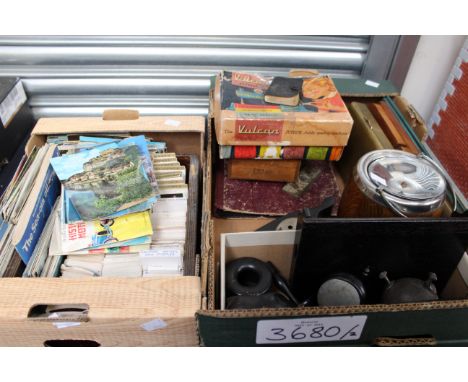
<point>317,332</point>
<point>332,331</point>
<point>278,334</point>
<point>311,329</point>
<point>297,335</point>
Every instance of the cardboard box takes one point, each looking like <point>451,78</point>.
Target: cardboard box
<point>244,118</point>
<point>117,306</point>
<point>121,311</point>
<point>275,246</point>
<point>440,322</point>
<point>278,247</point>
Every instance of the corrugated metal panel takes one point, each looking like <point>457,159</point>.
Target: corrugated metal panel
<point>83,75</point>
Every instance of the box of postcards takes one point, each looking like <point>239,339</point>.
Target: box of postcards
<point>99,233</point>
<point>365,250</point>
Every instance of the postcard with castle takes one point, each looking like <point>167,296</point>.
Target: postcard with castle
<point>108,178</point>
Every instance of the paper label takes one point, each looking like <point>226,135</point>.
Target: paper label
<point>12,103</point>
<point>312,329</point>
<point>250,81</point>
<point>171,252</point>
<point>259,130</point>
<point>372,83</point>
<point>155,324</point>
<point>172,122</point>
<point>62,325</point>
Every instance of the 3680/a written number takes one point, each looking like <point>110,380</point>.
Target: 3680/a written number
<point>341,328</point>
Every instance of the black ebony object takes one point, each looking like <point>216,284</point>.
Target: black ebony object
<point>402,247</point>
<point>249,285</point>
<point>267,300</point>
<point>341,289</point>
<point>281,283</point>
<point>284,91</point>
<point>409,289</point>
<point>248,276</point>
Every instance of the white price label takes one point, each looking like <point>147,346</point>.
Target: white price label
<point>172,122</point>
<point>310,329</point>
<point>63,325</point>
<point>157,323</point>
<point>160,253</point>
<point>372,83</point>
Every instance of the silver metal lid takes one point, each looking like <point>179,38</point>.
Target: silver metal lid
<point>338,292</point>
<point>408,184</point>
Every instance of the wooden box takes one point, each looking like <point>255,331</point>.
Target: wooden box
<point>273,170</point>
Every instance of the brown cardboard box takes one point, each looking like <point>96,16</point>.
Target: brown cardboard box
<point>243,118</point>
<point>166,129</point>
<point>421,324</point>
<point>117,306</point>
<point>274,246</point>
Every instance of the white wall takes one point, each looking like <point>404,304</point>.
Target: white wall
<point>429,70</point>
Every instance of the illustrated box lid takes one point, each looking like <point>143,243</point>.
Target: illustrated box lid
<point>243,116</point>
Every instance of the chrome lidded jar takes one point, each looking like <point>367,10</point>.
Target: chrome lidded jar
<point>388,183</point>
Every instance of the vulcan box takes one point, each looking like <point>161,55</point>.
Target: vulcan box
<point>243,117</point>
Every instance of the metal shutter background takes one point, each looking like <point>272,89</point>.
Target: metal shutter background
<point>83,75</point>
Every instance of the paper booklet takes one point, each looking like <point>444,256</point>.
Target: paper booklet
<point>126,246</point>
<point>41,197</point>
<point>90,234</point>
<point>109,250</point>
<point>71,215</point>
<point>38,265</point>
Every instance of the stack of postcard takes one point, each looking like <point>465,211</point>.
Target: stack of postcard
<point>159,253</point>
<point>122,210</point>
<point>91,206</point>
<point>108,205</point>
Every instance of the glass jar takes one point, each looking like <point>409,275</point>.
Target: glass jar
<point>388,183</point>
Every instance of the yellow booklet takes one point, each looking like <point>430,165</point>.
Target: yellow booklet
<point>97,233</point>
